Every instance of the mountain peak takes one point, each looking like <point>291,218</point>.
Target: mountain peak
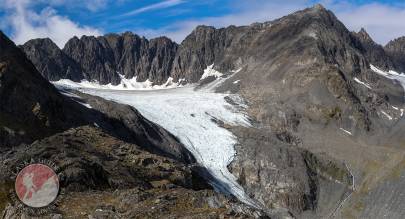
<point>319,7</point>
<point>364,35</point>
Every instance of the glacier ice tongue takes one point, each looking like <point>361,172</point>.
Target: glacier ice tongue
<point>191,115</point>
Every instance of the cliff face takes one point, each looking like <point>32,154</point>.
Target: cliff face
<point>104,59</point>
<point>51,61</point>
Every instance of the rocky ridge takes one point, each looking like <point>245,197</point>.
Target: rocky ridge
<point>105,59</point>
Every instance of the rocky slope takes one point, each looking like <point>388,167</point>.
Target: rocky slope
<point>103,177</point>
<point>30,107</point>
<point>304,78</point>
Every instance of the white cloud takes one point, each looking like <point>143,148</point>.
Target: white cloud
<point>160,5</point>
<point>27,24</point>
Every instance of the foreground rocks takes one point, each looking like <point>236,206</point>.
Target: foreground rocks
<point>104,177</point>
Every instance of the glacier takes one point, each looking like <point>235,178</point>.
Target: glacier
<point>191,115</point>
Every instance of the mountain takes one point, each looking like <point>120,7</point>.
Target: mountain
<point>326,116</point>
<point>105,58</point>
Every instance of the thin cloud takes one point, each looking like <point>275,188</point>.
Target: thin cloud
<point>160,5</point>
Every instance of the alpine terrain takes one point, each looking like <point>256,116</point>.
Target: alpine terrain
<point>292,118</point>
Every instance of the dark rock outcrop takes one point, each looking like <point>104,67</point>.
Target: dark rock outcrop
<point>50,61</point>
<point>30,107</point>
<point>95,58</point>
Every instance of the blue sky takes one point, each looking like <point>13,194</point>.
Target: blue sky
<point>61,19</point>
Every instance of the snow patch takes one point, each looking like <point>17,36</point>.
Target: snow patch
<point>362,83</point>
<point>220,78</point>
<point>75,98</point>
<point>126,84</point>
<point>210,71</point>
<point>236,82</point>
<point>387,115</point>
<point>313,35</point>
<point>236,71</point>
<point>345,131</point>
<point>393,75</point>
<point>85,104</point>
